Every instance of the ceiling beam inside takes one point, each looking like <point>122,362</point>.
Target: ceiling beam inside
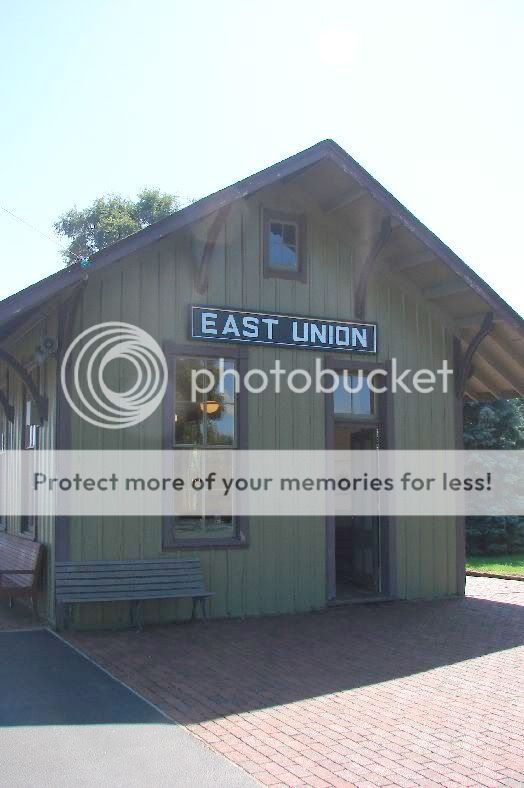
<point>508,348</point>
<point>489,388</point>
<point>492,364</point>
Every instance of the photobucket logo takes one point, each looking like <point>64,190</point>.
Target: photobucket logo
<point>322,381</point>
<point>85,385</point>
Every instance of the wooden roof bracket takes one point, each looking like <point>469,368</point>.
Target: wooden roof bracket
<point>202,271</point>
<point>41,403</point>
<point>369,266</point>
<point>464,366</point>
<point>7,407</point>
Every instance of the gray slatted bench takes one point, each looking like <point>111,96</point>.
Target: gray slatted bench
<point>129,581</point>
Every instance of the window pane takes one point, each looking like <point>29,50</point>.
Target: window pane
<point>184,369</point>
<point>289,256</point>
<point>189,527</point>
<point>347,403</point>
<point>283,245</point>
<point>188,423</point>
<point>216,394</point>
<point>277,232</point>
<point>204,527</point>
<point>275,252</point>
<point>229,393</point>
<point>210,421</point>
<point>361,400</point>
<point>290,234</point>
<point>341,397</point>
<point>220,425</point>
<point>196,523</point>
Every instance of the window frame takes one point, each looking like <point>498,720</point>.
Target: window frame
<point>29,523</point>
<point>30,431</point>
<point>269,216</point>
<point>239,355</point>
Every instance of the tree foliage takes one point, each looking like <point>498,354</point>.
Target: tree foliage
<point>494,425</point>
<point>109,219</point>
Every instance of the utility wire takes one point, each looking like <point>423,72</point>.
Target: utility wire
<point>35,229</point>
<point>82,260</point>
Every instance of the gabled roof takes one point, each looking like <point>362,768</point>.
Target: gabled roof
<point>354,183</point>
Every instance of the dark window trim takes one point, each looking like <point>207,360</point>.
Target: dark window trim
<point>300,275</point>
<point>240,355</point>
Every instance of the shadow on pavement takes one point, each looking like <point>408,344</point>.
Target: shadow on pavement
<point>45,682</point>
<point>202,671</point>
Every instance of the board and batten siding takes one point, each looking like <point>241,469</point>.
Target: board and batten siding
<point>284,567</point>
<point>23,346</point>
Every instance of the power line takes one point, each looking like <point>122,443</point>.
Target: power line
<point>82,260</point>
<point>35,229</point>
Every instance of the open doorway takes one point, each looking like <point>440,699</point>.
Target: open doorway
<point>357,538</point>
<point>358,547</point>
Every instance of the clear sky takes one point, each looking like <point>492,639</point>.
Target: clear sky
<point>113,95</point>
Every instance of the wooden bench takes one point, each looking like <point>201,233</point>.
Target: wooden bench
<point>129,581</point>
<point>20,563</point>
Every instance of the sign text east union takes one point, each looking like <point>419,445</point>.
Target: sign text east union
<point>227,325</point>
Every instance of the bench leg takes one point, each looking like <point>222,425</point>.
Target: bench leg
<point>60,616</point>
<point>193,611</point>
<point>136,614</point>
<point>34,600</point>
<point>11,602</point>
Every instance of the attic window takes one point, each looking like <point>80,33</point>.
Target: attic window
<point>284,240</point>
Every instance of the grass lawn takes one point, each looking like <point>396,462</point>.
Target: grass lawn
<point>500,564</point>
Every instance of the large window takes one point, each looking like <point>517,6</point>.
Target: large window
<point>284,245</point>
<point>206,421</point>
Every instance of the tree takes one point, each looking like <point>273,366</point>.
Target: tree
<point>494,425</point>
<point>111,218</point>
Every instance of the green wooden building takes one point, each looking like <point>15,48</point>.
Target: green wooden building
<point>314,236</point>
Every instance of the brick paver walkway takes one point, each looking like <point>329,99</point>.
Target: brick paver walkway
<point>408,694</point>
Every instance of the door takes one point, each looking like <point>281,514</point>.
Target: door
<point>357,538</point>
